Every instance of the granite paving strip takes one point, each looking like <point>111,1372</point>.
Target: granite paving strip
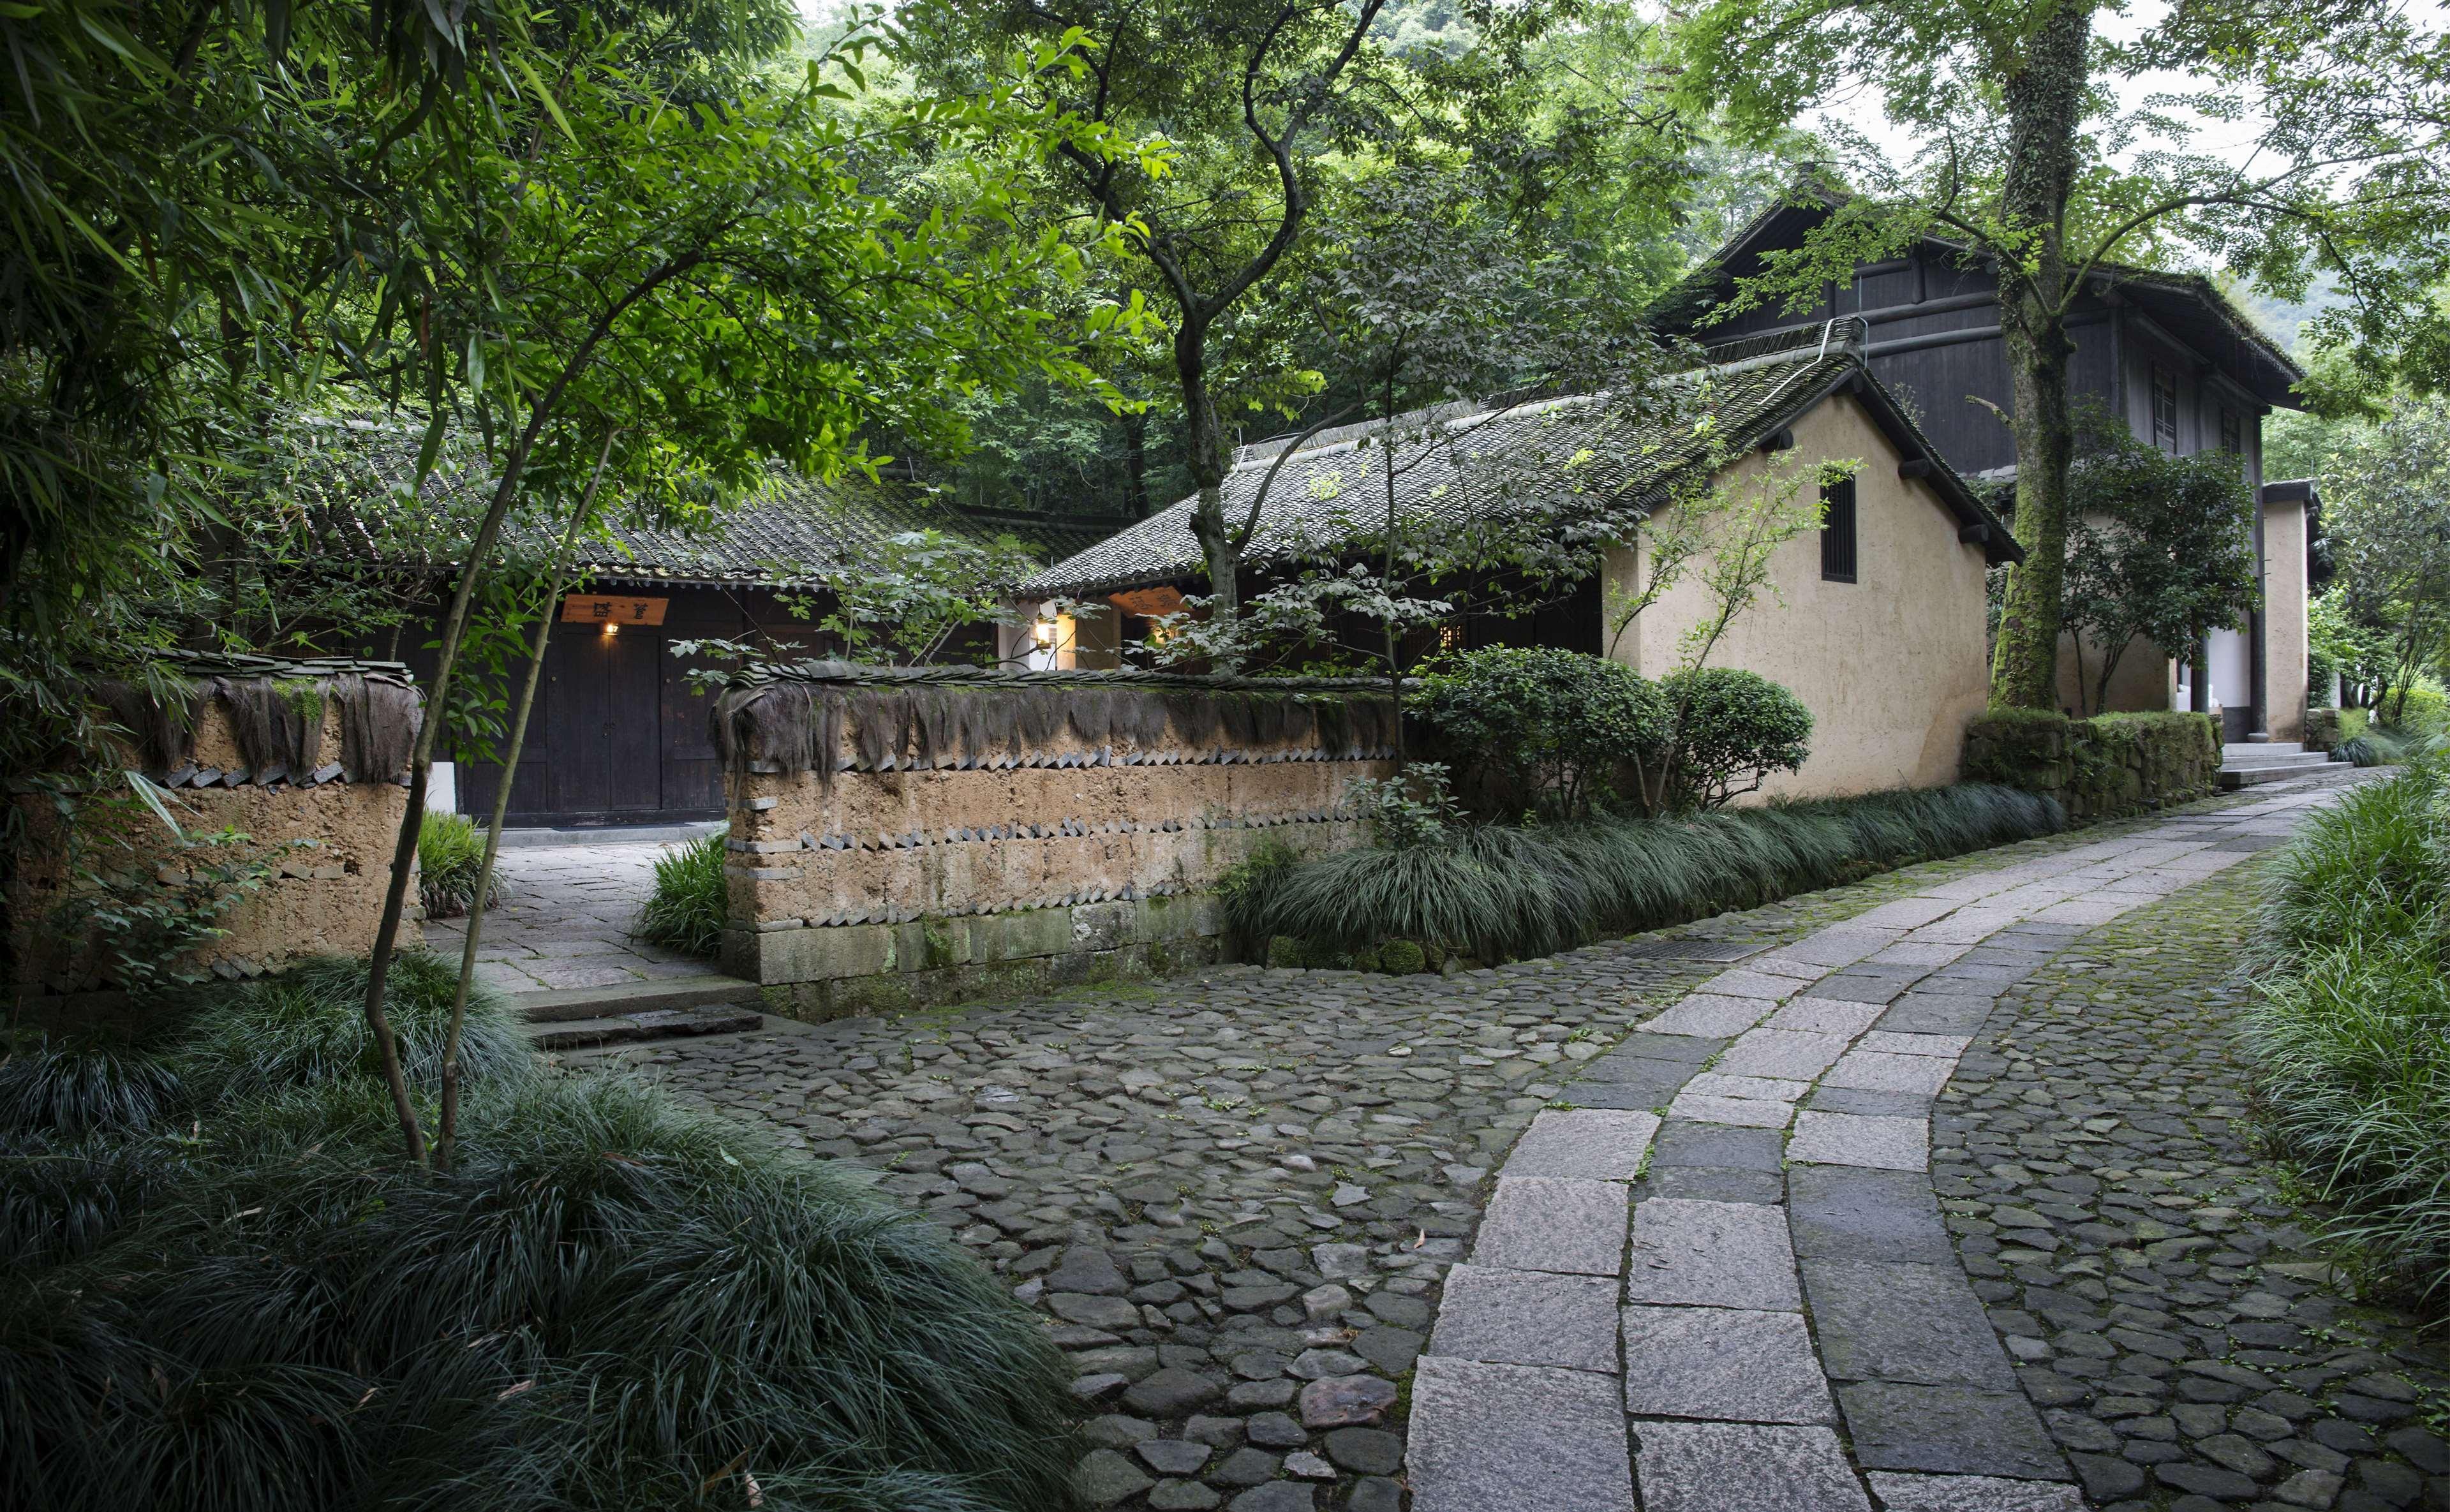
<point>1787,1271</point>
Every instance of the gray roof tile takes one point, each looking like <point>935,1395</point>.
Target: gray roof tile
<point>1465,464</point>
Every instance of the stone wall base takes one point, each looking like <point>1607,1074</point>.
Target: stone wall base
<point>820,973</point>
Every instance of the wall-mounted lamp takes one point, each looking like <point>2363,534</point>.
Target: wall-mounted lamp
<point>611,629</point>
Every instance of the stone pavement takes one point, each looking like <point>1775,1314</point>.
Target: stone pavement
<point>1750,1302</point>
<point>1713,1270</point>
<point>565,919</point>
<point>2186,1338</point>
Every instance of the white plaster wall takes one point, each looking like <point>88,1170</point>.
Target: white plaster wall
<point>2283,617</point>
<point>1892,665</point>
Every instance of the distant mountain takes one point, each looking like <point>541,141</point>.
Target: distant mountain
<point>2283,318</point>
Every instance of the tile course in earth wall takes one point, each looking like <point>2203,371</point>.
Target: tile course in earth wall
<point>897,845</point>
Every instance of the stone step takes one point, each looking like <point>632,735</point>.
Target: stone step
<point>2235,761</point>
<point>652,1023</point>
<point>2249,748</point>
<point>2313,766</point>
<point>564,1004</point>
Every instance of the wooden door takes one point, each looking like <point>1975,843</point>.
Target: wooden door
<point>692,771</point>
<point>607,702</point>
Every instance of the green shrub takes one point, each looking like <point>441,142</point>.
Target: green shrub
<point>2350,1035</point>
<point>2423,711</point>
<point>1738,730</point>
<point>2378,747</point>
<point>450,852</point>
<point>691,903</point>
<point>2352,1051</point>
<point>1500,892</point>
<point>1401,958</point>
<point>2371,867</point>
<point>2111,764</point>
<point>1539,728</point>
<point>308,1025</point>
<point>1417,806</point>
<point>610,1302</point>
<point>2327,729</point>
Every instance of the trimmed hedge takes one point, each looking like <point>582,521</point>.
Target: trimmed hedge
<point>2098,767</point>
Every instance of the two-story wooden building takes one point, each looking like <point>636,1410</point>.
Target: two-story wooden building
<point>2165,352</point>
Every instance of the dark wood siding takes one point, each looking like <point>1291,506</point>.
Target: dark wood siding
<point>617,735</point>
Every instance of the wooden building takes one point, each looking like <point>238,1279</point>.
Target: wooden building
<point>2165,352</point>
<point>618,735</point>
<point>1875,621</point>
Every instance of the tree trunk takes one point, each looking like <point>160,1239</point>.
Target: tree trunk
<point>446,1138</point>
<point>1135,493</point>
<point>2045,101</point>
<point>1210,460</point>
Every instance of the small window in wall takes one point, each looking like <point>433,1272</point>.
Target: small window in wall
<point>1837,531</point>
<point>2232,432</point>
<point>2165,408</point>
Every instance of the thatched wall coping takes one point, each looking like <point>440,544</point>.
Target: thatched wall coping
<point>870,675</point>
<point>966,720</point>
<point>276,707</point>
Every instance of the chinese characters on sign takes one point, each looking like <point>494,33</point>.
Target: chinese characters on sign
<point>584,608</point>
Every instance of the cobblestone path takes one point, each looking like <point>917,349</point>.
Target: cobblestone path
<point>1251,1204</point>
<point>2185,1341</point>
<point>565,919</point>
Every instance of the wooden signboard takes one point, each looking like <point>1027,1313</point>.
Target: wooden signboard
<point>1149,602</point>
<point>591,609</point>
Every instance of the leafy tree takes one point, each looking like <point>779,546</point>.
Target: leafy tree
<point>915,592</point>
<point>1431,300</point>
<point>2386,519</point>
<point>711,287</point>
<point>1254,88</point>
<point>2161,551</point>
<point>2339,646</point>
<point>2020,152</point>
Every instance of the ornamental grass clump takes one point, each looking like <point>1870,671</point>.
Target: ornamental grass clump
<point>608,1301</point>
<point>308,1024</point>
<point>1499,892</point>
<point>2350,1032</point>
<point>689,904</point>
<point>450,852</point>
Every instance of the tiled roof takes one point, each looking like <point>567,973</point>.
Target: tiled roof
<point>796,527</point>
<point>790,530</point>
<point>1462,464</point>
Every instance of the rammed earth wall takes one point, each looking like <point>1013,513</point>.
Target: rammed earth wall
<point>304,758</point>
<point>904,837</point>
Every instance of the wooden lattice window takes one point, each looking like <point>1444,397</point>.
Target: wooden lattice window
<point>2165,408</point>
<point>1837,531</point>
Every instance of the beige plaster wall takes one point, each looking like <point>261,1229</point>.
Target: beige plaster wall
<point>2145,679</point>
<point>2283,618</point>
<point>1892,665</point>
<point>331,842</point>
